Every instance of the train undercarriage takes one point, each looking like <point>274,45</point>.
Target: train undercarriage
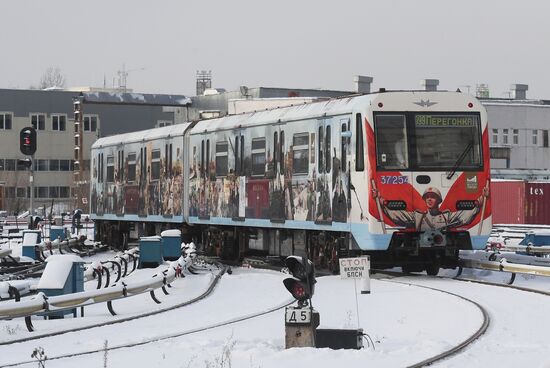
<point>408,250</point>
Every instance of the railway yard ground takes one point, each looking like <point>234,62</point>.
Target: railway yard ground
<point>213,318</point>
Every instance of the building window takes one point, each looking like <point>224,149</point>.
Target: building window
<point>64,165</point>
<point>258,156</point>
<point>64,192</point>
<point>41,165</point>
<point>22,192</point>
<point>54,165</point>
<point>90,123</point>
<point>495,136</point>
<point>300,150</point>
<point>515,136</point>
<point>110,169</point>
<point>1,164</point>
<point>221,158</point>
<point>5,121</point>
<point>504,136</point>
<point>545,138</point>
<point>59,123</point>
<point>131,159</point>
<point>10,192</point>
<point>155,164</point>
<point>41,192</point>
<point>54,192</point>
<point>38,121</point>
<point>535,137</point>
<point>10,164</point>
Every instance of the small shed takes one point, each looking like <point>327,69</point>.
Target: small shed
<point>150,252</point>
<point>31,238</point>
<point>64,274</point>
<point>171,244</point>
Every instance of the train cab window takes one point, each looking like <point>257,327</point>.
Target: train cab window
<point>155,164</point>
<point>391,142</point>
<point>300,153</point>
<point>221,158</point>
<point>131,161</point>
<point>258,156</point>
<point>447,141</point>
<point>110,169</point>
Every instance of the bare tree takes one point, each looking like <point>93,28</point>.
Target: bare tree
<point>52,77</point>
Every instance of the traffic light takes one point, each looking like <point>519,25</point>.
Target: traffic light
<point>302,284</point>
<point>27,141</point>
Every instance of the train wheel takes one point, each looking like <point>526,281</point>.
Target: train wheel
<point>433,268</point>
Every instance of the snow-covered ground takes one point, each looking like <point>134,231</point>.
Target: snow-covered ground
<point>408,323</point>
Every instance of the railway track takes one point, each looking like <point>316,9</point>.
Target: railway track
<point>113,322</point>
<point>457,349</point>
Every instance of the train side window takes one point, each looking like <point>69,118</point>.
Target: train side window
<point>145,174</point>
<point>121,167</point>
<point>359,144</point>
<point>207,167</point>
<point>155,164</point>
<point>221,158</point>
<point>241,156</point>
<point>328,148</point>
<point>343,149</point>
<point>110,169</point>
<point>320,143</point>
<point>282,151</point>
<point>131,160</point>
<point>202,170</point>
<point>258,156</point>
<point>275,148</point>
<point>237,162</point>
<point>300,153</point>
<point>170,161</point>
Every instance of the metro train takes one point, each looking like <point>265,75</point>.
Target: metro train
<point>402,176</point>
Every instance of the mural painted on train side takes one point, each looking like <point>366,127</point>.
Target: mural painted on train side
<point>147,181</point>
<point>279,173</point>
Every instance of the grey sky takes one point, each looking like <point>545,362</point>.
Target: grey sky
<point>284,43</point>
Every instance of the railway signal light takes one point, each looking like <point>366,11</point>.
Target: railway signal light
<point>27,141</point>
<point>302,284</point>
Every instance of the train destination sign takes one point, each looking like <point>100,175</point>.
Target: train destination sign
<point>354,268</point>
<point>429,120</point>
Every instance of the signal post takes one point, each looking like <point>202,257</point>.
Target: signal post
<point>302,320</point>
<point>27,146</point>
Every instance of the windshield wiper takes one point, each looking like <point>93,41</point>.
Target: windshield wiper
<point>460,159</point>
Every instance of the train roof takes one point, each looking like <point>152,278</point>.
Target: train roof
<point>333,107</point>
<point>142,135</point>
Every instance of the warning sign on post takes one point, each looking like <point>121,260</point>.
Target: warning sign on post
<point>354,268</point>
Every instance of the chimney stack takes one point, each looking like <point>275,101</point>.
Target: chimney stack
<point>429,84</point>
<point>519,91</point>
<point>362,83</point>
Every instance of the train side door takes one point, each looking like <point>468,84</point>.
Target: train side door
<point>323,212</point>
<point>340,172</point>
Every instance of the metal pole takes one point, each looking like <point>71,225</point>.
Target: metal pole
<point>31,184</point>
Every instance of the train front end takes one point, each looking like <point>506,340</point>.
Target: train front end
<point>428,177</point>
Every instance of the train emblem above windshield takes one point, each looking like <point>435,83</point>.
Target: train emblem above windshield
<point>426,103</point>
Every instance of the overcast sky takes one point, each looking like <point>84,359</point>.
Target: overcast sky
<point>284,43</point>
